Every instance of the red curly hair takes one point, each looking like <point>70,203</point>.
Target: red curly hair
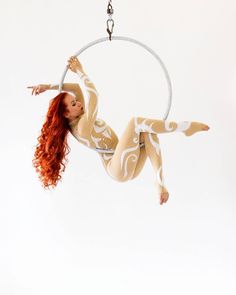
<point>52,148</point>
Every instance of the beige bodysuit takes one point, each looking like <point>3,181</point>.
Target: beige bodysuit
<point>126,158</point>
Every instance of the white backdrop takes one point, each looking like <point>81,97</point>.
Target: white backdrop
<point>92,235</point>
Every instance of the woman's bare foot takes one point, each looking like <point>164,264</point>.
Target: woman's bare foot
<point>164,197</point>
<point>196,127</point>
<point>162,191</point>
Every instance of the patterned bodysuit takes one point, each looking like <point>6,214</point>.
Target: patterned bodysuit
<point>127,158</point>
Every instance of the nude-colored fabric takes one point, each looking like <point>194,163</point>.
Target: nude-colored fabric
<point>128,159</point>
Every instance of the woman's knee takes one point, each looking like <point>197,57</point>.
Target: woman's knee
<point>118,178</point>
<point>117,174</point>
<point>134,123</point>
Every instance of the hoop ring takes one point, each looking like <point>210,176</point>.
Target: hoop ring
<point>143,46</point>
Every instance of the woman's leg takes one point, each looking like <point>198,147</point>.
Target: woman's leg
<point>163,126</point>
<point>124,160</point>
<point>153,151</point>
<point>122,165</point>
<point>142,157</point>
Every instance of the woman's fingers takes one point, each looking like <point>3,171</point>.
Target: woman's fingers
<point>36,90</point>
<point>164,198</point>
<point>73,64</point>
<point>31,87</point>
<point>73,59</point>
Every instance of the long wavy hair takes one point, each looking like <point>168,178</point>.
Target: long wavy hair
<point>52,148</point>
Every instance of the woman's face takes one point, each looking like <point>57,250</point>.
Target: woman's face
<point>73,106</point>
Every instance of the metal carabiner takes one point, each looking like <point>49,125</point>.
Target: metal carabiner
<point>110,21</point>
<point>110,30</point>
<point>110,10</point>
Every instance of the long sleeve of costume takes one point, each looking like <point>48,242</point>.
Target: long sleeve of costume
<point>88,120</point>
<point>70,87</point>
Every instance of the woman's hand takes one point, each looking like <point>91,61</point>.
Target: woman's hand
<point>74,64</point>
<point>38,89</point>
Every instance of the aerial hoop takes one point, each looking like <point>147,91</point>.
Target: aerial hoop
<point>143,46</point>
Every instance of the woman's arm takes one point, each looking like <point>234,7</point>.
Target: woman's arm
<point>86,122</point>
<point>72,87</point>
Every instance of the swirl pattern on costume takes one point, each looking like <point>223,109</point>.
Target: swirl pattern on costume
<point>126,151</point>
<point>132,156</point>
<point>155,144</point>
<point>126,161</point>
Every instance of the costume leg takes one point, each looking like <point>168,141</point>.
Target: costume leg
<point>163,126</point>
<point>142,157</point>
<point>122,164</point>
<point>153,151</point>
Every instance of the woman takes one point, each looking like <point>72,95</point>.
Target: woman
<point>67,113</point>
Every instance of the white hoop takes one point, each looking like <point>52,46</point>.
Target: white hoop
<point>140,44</point>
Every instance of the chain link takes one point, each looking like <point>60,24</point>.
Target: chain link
<point>110,21</point>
